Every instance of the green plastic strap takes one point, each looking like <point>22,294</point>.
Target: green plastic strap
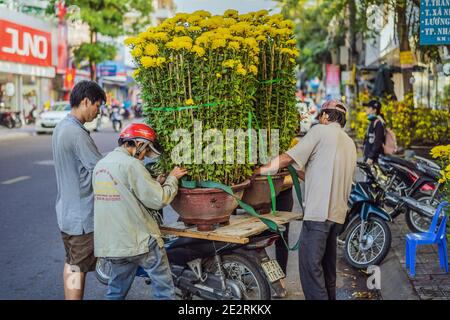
<point>186,107</point>
<point>271,81</point>
<point>272,194</point>
<point>249,137</point>
<point>298,191</point>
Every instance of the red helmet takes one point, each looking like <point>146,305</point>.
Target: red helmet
<point>140,131</point>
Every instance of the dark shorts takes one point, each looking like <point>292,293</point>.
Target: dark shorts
<point>80,251</point>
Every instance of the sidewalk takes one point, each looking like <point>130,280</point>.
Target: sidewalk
<point>12,134</point>
<point>430,282</point>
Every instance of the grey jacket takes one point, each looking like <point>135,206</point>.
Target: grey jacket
<point>123,188</point>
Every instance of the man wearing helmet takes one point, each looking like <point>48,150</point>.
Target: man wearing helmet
<point>125,233</point>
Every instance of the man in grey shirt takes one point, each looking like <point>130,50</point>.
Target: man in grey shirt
<point>75,156</point>
<point>327,155</point>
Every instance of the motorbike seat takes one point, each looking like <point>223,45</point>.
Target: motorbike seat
<point>408,164</point>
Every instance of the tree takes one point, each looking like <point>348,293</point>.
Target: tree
<point>328,24</point>
<point>105,17</point>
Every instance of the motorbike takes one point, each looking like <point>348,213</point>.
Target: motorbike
<point>217,270</point>
<point>410,187</point>
<point>7,119</point>
<point>116,118</point>
<point>31,117</point>
<point>366,235</point>
<point>17,119</point>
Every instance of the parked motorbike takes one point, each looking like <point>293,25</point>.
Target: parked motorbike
<point>411,184</point>
<point>116,118</point>
<point>366,234</point>
<point>217,270</point>
<point>30,118</point>
<point>7,119</point>
<point>17,119</point>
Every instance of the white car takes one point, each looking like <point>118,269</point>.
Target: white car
<point>47,120</point>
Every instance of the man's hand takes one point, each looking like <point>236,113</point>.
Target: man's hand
<point>161,178</point>
<point>369,162</point>
<point>178,172</point>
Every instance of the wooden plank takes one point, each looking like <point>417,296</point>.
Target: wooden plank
<point>240,228</point>
<point>192,233</point>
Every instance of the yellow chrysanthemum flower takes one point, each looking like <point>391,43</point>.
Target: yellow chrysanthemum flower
<point>136,52</point>
<point>230,13</point>
<point>230,63</point>
<point>240,70</point>
<point>202,13</point>
<point>160,61</point>
<point>151,49</point>
<point>253,69</point>
<point>218,43</point>
<point>148,62</point>
<point>234,45</point>
<point>189,102</point>
<point>199,51</point>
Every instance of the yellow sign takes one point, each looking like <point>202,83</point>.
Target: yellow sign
<point>407,59</point>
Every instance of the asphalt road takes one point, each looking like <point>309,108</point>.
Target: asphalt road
<point>31,250</point>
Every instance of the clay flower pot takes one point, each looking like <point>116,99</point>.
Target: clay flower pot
<point>258,194</point>
<point>206,207</point>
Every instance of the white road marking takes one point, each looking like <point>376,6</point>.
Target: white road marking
<point>14,180</point>
<point>46,163</point>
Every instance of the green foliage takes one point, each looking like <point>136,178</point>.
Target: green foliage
<point>104,17</point>
<point>107,16</point>
<point>94,52</point>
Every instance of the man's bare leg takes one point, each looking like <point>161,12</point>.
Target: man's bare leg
<point>73,283</point>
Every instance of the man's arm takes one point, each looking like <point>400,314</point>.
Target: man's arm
<point>149,191</point>
<point>87,152</point>
<point>299,154</point>
<point>280,162</point>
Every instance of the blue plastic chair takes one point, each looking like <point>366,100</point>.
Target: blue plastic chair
<point>431,237</point>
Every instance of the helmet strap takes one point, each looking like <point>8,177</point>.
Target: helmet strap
<point>140,149</point>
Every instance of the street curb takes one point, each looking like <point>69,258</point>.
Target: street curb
<point>395,284</point>
<point>15,135</point>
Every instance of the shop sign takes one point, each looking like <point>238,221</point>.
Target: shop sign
<point>25,45</point>
<point>332,81</point>
<point>434,22</point>
<point>107,70</point>
<point>407,59</point>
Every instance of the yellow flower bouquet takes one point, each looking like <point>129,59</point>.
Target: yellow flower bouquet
<point>216,71</point>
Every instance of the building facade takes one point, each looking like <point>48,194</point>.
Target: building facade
<point>28,61</point>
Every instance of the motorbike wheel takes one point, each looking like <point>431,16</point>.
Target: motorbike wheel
<point>102,271</point>
<point>9,123</point>
<point>376,245</point>
<point>18,123</point>
<point>253,283</point>
<point>416,221</point>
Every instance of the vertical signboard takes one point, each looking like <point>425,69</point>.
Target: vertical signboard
<point>434,22</point>
<point>333,82</point>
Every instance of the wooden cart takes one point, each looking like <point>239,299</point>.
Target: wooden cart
<point>240,228</point>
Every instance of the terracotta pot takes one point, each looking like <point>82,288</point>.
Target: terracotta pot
<point>206,207</point>
<point>258,194</point>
